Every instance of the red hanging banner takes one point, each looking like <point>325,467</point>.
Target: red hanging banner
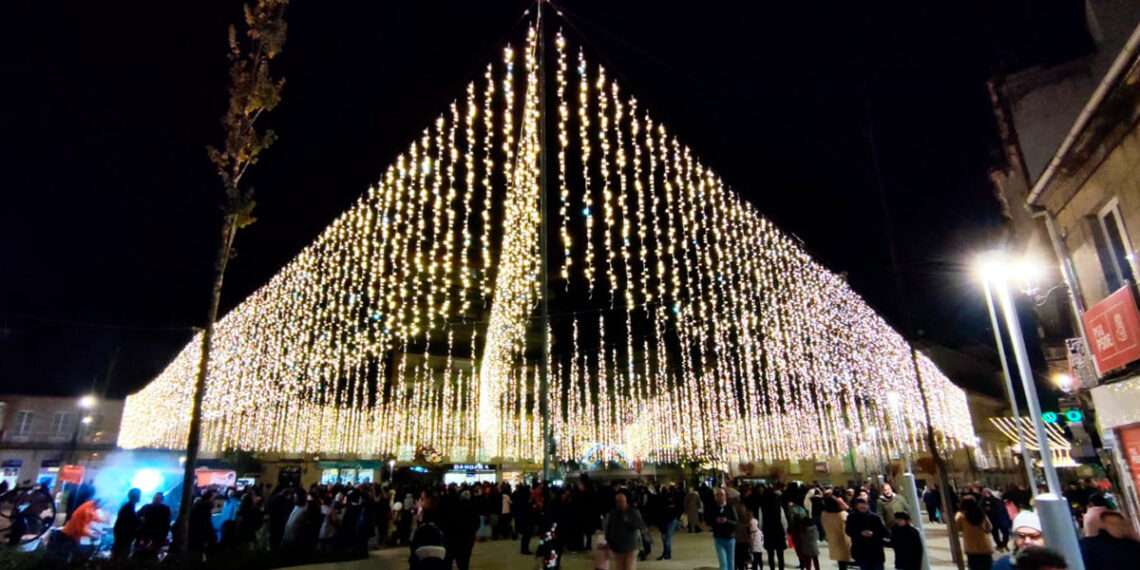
<point>1113,327</point>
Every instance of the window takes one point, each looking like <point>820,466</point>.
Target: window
<point>23,422</point>
<point>61,423</point>
<point>1117,248</point>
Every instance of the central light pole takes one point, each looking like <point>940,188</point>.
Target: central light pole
<point>1056,520</point>
<point>1026,457</point>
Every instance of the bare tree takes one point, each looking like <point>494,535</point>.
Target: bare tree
<point>253,92</point>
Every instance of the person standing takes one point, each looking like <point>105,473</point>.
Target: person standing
<point>722,518</point>
<point>889,504</point>
<point>834,519</point>
<point>693,510</point>
<point>126,526</point>
<point>805,536</point>
<point>745,524</point>
<point>461,524</point>
<point>1114,545</point>
<point>154,520</point>
<point>622,526</point>
<point>505,529</point>
<point>907,543</point>
<point>774,525</point>
<point>975,528</point>
<point>202,535</point>
<point>1026,533</point>
<point>524,523</point>
<point>867,534</point>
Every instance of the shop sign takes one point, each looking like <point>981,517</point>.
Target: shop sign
<point>1113,328</point>
<point>471,467</point>
<point>13,463</point>
<point>219,477</point>
<point>71,474</point>
<point>1130,448</point>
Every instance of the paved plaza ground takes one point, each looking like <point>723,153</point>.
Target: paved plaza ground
<point>690,552</point>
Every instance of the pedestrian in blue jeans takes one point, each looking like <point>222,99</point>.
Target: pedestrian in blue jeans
<point>722,519</point>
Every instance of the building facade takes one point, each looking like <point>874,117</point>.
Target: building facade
<point>44,438</point>
<point>1089,193</point>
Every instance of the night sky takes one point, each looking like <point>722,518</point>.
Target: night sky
<point>110,207</point>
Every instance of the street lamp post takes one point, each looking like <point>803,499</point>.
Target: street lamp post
<point>1026,457</point>
<point>1056,519</point>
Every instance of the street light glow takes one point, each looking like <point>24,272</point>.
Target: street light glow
<point>87,402</point>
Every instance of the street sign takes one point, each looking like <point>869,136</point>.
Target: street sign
<point>1049,417</point>
<point>1081,366</point>
<point>1113,328</point>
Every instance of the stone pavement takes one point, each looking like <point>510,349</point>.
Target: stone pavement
<point>690,552</point>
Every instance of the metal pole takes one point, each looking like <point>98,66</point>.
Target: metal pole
<point>912,486</point>
<point>1056,519</point>
<point>1026,457</point>
<point>544,285</point>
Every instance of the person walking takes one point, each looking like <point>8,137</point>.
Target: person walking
<point>867,534</point>
<point>907,543</point>
<point>126,526</point>
<point>203,539</point>
<point>834,520</point>
<point>693,510</point>
<point>995,510</point>
<point>975,528</point>
<point>722,517</point>
<point>669,510</point>
<point>622,527</point>
<point>933,501</point>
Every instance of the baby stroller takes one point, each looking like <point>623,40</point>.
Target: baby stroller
<point>429,549</point>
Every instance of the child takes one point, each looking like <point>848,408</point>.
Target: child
<point>907,543</point>
<point>757,543</point>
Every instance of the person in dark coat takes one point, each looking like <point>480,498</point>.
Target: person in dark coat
<point>932,498</point>
<point>999,517</point>
<point>1113,547</point>
<point>249,519</point>
<point>280,506</point>
<point>867,534</point>
<point>460,523</point>
<point>202,535</point>
<point>524,524</point>
<point>774,526</point>
<point>154,522</point>
<point>907,543</point>
<point>127,525</point>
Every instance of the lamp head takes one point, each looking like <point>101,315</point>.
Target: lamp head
<point>87,402</point>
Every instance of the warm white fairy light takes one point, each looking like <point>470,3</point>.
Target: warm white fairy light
<point>733,342</point>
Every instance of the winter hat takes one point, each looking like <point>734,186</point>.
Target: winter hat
<point>1027,519</point>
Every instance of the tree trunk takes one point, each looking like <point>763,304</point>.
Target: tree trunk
<point>940,467</point>
<point>181,526</point>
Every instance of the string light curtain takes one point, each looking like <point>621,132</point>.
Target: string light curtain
<point>685,326</point>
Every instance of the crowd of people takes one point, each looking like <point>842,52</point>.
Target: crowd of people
<point>609,521</point>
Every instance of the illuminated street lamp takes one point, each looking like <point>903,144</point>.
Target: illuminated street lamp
<point>87,402</point>
<point>1056,519</point>
<point>391,470</point>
